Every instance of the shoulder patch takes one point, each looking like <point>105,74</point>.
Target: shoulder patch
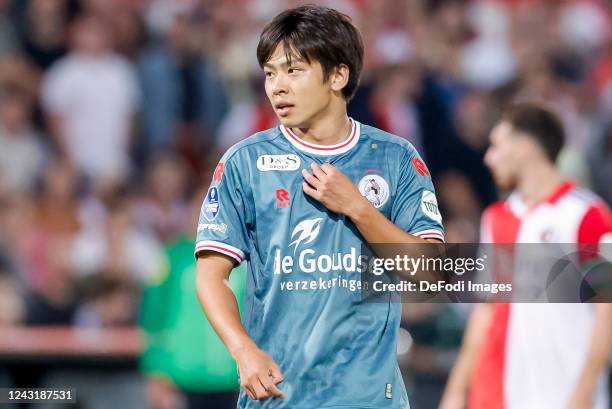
<point>420,166</point>
<point>429,206</point>
<point>211,204</point>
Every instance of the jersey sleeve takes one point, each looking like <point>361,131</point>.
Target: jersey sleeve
<point>594,230</point>
<point>225,215</point>
<point>415,208</point>
<point>596,223</point>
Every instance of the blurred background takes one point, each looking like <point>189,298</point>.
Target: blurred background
<point>113,114</point>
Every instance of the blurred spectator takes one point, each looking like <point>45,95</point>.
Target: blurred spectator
<point>186,364</point>
<point>246,117</point>
<point>47,268</point>
<point>8,34</point>
<point>91,97</point>
<point>160,14</point>
<point>18,73</point>
<point>164,207</point>
<point>124,22</point>
<point>127,32</point>
<point>487,60</point>
<point>16,229</point>
<point>474,116</point>
<point>36,235</point>
<point>12,310</point>
<point>460,205</point>
<point>441,39</point>
<point>584,25</point>
<point>107,302</point>
<point>11,304</point>
<point>57,202</point>
<point>392,101</point>
<point>117,247</point>
<point>44,33</point>
<point>600,162</point>
<point>184,93</point>
<point>22,155</point>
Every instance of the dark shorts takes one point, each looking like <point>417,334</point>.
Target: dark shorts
<point>212,400</point>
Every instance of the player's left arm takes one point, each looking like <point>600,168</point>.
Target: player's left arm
<point>335,190</point>
<point>596,225</point>
<point>597,359</point>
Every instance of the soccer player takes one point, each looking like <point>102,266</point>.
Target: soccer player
<point>291,201</point>
<point>527,356</point>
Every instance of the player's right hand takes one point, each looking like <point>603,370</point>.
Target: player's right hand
<point>259,374</point>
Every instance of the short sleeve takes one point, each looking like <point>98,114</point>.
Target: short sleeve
<point>594,230</point>
<point>596,223</point>
<point>415,207</point>
<point>224,216</point>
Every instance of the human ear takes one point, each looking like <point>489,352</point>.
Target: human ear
<point>339,77</point>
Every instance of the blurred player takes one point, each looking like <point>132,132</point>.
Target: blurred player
<point>536,356</point>
<point>291,201</point>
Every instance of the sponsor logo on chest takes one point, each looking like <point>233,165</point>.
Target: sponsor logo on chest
<point>282,163</point>
<point>306,259</point>
<point>282,198</point>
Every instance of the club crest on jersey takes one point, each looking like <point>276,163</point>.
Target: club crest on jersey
<point>211,204</point>
<point>429,205</point>
<point>281,163</point>
<point>374,188</point>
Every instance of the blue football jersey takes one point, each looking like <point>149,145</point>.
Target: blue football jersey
<point>303,304</point>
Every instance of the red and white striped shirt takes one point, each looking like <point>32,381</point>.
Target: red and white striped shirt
<point>533,354</point>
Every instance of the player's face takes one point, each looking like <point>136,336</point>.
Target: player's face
<point>503,157</point>
<point>296,91</point>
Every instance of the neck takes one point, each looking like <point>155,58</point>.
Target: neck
<point>331,129</point>
<point>538,182</point>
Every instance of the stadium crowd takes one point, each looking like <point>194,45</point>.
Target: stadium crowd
<point>113,114</point>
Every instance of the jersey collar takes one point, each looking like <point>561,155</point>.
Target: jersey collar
<point>326,150</point>
<point>519,208</point>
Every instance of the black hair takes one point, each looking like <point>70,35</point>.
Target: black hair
<point>538,123</point>
<point>316,33</point>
